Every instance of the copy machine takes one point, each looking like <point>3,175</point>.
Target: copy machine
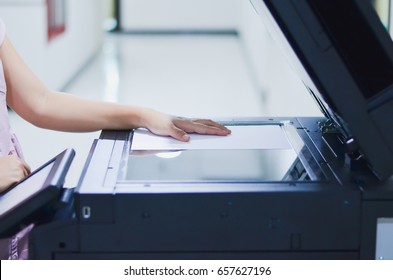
<point>277,188</point>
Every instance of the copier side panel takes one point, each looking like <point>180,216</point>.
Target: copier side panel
<point>309,219</point>
<point>232,223</point>
<point>227,217</point>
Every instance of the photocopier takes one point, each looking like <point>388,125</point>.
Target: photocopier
<point>276,188</point>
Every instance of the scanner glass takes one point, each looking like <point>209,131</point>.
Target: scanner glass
<point>222,165</point>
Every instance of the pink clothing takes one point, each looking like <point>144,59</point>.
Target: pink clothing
<point>9,144</point>
<point>16,246</point>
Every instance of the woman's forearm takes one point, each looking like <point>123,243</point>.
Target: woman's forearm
<point>66,112</point>
<point>33,101</point>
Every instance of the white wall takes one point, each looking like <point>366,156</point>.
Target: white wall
<point>280,88</point>
<point>391,21</point>
<point>57,61</point>
<point>178,14</point>
<point>282,91</point>
<point>60,59</point>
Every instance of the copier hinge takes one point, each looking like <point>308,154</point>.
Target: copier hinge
<point>351,145</point>
<point>327,127</point>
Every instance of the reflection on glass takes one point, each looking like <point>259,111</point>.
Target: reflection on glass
<point>383,10</point>
<point>223,165</point>
<point>212,165</point>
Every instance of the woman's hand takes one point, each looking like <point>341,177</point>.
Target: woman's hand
<point>12,170</point>
<point>178,127</point>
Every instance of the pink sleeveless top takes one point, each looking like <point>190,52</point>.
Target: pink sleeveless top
<point>9,144</point>
<point>16,246</point>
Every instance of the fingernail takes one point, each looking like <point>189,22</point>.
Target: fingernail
<point>186,137</point>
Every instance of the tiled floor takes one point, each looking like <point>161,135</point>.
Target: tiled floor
<point>204,76</point>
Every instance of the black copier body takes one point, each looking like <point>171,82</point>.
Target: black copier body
<point>335,200</point>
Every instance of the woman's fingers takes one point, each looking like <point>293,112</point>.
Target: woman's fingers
<point>201,126</point>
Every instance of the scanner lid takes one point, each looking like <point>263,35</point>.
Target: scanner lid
<point>344,56</point>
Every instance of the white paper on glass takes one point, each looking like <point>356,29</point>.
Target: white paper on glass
<point>242,137</point>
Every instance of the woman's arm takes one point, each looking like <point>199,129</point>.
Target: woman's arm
<point>33,101</point>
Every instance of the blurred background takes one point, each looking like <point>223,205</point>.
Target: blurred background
<point>195,58</point>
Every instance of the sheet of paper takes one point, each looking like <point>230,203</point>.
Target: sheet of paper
<point>242,137</point>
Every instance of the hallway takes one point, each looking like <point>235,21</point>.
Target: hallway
<point>188,75</point>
